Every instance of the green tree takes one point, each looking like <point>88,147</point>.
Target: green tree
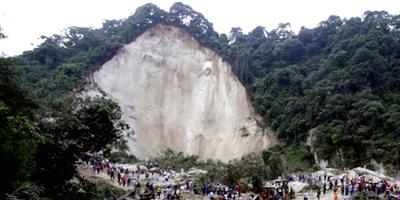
<point>96,126</point>
<point>18,132</point>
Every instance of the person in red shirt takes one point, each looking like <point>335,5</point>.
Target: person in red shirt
<point>263,194</point>
<point>123,180</point>
<point>237,189</point>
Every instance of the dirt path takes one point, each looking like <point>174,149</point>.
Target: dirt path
<point>88,174</point>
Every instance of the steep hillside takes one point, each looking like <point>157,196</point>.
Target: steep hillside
<point>176,94</point>
<point>339,79</point>
<point>183,86</point>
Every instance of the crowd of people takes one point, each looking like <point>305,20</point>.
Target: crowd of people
<point>150,181</point>
<point>221,191</point>
<point>347,186</point>
<point>342,187</point>
<point>141,181</point>
<point>279,189</point>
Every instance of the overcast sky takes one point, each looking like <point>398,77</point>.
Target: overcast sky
<point>24,21</point>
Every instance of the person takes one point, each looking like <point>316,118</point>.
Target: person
<point>306,195</point>
<point>318,193</point>
<point>342,189</point>
<point>218,188</point>
<point>335,195</point>
<point>237,189</point>
<point>123,179</point>
<point>112,174</point>
<point>133,193</point>
<point>119,177</point>
<point>169,192</point>
<point>264,194</point>
<point>211,195</point>
<point>291,193</point>
<point>129,180</point>
<point>166,178</point>
<point>177,193</point>
<point>137,185</point>
<point>387,193</point>
<point>158,190</point>
<point>280,192</point>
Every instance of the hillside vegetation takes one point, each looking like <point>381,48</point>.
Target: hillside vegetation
<point>340,80</point>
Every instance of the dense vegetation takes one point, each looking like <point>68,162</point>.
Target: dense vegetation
<point>39,146</point>
<point>340,79</point>
<point>245,171</point>
<point>249,170</point>
<point>338,82</point>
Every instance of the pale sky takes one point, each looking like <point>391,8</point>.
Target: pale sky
<point>24,21</point>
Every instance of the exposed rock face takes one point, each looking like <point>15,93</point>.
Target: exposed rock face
<point>176,94</point>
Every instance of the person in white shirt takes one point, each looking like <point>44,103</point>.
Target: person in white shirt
<point>211,195</point>
<point>306,195</point>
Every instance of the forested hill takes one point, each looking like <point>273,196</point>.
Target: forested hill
<point>340,79</point>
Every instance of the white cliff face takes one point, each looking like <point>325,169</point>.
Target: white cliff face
<point>176,94</point>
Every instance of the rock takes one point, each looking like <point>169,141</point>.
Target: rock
<point>176,94</point>
<point>297,186</point>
